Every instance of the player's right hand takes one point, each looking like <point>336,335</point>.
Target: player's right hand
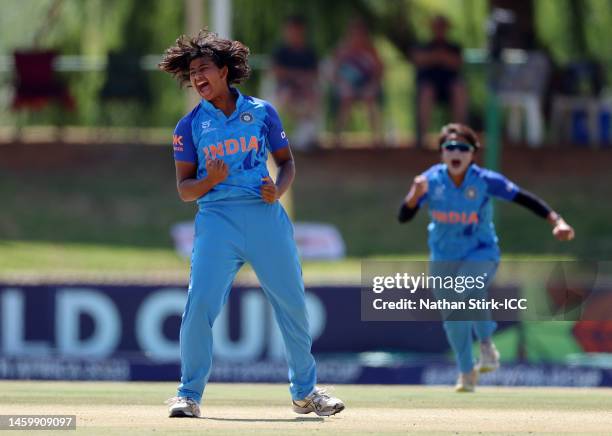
<point>217,170</point>
<point>563,231</point>
<point>420,186</point>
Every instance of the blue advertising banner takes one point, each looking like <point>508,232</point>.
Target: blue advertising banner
<point>130,332</point>
<point>105,321</point>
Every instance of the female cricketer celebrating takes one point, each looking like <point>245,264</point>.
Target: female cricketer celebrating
<point>461,231</point>
<point>220,151</point>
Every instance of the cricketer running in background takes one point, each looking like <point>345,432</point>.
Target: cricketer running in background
<point>220,151</point>
<point>461,232</point>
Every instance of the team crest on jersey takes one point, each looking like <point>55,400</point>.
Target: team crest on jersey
<point>246,117</point>
<point>470,193</point>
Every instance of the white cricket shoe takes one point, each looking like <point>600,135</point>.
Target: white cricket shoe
<point>319,402</point>
<point>489,358</point>
<point>183,407</point>
<point>467,381</point>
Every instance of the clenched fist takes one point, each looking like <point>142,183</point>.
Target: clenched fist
<point>420,186</point>
<point>563,231</point>
<point>269,191</point>
<point>217,170</point>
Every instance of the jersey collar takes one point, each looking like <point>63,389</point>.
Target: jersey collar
<point>210,108</point>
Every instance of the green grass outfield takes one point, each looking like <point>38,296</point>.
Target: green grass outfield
<point>125,196</point>
<point>40,261</point>
<point>23,261</point>
<point>137,408</point>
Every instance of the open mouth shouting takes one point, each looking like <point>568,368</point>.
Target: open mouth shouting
<point>456,163</point>
<point>203,87</point>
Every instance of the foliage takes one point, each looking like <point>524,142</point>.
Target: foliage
<point>96,27</point>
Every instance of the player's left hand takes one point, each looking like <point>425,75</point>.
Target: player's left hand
<point>563,231</point>
<point>269,191</point>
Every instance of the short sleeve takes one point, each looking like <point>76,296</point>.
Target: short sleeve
<point>182,142</point>
<point>499,186</point>
<point>277,138</point>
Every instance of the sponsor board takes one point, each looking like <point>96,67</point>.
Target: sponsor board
<point>130,332</point>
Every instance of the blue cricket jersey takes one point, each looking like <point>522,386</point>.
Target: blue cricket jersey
<point>242,140</point>
<point>461,226</point>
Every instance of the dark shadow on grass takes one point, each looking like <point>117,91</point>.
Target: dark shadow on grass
<point>297,419</point>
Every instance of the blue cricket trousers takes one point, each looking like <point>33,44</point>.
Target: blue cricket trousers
<point>229,233</point>
<point>460,332</point>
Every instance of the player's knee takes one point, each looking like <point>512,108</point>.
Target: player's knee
<point>456,327</point>
<point>295,311</point>
<point>201,304</point>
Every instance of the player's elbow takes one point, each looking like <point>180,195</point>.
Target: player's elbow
<point>184,195</point>
<point>291,166</point>
<point>287,169</point>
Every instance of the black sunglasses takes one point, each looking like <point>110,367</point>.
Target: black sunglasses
<point>457,146</point>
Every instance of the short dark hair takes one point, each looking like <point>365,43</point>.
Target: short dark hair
<point>458,130</point>
<point>223,52</point>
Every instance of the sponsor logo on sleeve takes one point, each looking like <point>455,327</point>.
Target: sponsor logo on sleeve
<point>177,142</point>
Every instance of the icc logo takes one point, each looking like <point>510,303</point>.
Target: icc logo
<point>439,192</point>
<point>246,117</point>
